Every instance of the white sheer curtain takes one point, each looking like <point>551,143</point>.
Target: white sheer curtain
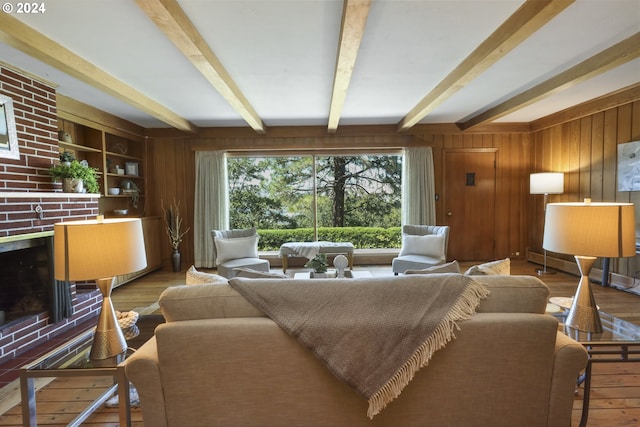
<point>210,210</point>
<point>418,190</point>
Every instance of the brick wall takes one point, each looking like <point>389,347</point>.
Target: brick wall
<point>30,202</point>
<point>34,105</point>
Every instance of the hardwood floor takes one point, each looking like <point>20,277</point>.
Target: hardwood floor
<point>615,395</point>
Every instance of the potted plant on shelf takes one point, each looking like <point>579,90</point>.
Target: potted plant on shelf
<point>319,265</point>
<point>76,177</point>
<point>173,223</point>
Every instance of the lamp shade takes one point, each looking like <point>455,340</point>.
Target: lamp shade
<point>96,249</point>
<point>590,229</point>
<point>546,183</point>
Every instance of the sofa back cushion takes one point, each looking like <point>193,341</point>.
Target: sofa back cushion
<point>206,301</point>
<point>513,294</point>
<point>509,294</point>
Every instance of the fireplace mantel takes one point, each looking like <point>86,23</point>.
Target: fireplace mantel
<point>46,195</point>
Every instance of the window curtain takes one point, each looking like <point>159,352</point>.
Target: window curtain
<point>418,190</point>
<point>210,205</point>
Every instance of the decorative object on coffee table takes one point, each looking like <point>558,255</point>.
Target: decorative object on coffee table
<point>173,222</point>
<point>589,230</point>
<point>319,264</point>
<point>340,262</point>
<point>99,250</point>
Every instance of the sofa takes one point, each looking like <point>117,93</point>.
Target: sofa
<point>219,361</point>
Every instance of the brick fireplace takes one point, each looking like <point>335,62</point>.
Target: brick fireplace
<point>30,203</point>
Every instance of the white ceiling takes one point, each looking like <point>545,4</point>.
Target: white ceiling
<point>282,57</point>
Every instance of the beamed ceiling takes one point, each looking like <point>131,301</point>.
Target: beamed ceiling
<point>191,64</point>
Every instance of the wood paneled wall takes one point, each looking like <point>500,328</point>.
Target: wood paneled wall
<point>585,149</point>
<point>579,142</point>
<point>174,165</point>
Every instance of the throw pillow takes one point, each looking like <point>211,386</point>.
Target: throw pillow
<point>450,267</point>
<point>195,277</point>
<point>502,266</point>
<point>255,274</point>
<point>430,245</point>
<point>236,248</point>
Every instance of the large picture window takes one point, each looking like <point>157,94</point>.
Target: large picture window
<point>314,191</point>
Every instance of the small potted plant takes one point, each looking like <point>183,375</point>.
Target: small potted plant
<point>319,265</point>
<point>77,177</point>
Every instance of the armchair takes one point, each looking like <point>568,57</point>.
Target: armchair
<point>423,246</point>
<point>237,249</point>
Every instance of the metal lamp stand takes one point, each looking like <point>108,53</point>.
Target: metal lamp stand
<point>544,270</point>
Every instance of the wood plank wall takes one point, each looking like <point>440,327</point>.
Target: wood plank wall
<point>174,166</point>
<point>580,141</point>
<point>585,149</point>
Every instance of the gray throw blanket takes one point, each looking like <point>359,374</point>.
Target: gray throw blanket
<point>372,333</point>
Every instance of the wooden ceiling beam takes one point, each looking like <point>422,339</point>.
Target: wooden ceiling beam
<point>618,54</point>
<point>354,19</point>
<point>525,21</point>
<point>24,38</point>
<point>174,23</point>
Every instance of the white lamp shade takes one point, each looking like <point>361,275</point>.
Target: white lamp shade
<point>89,250</point>
<point>546,183</point>
<point>590,229</point>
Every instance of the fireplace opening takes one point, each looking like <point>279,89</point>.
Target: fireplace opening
<point>26,278</point>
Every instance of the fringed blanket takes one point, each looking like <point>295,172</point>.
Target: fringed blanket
<point>372,333</point>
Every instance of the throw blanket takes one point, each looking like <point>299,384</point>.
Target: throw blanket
<point>372,333</point>
<point>307,249</point>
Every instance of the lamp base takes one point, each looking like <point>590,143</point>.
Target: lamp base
<point>108,342</point>
<point>544,272</point>
<point>583,314</point>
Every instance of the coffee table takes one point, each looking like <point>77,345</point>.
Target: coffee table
<point>619,342</point>
<point>348,274</point>
<point>71,359</point>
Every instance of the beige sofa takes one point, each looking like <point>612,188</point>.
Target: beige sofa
<point>218,361</point>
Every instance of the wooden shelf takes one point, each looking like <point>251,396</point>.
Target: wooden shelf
<point>104,149</point>
<point>77,147</point>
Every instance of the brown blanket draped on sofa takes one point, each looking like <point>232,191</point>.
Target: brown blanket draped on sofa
<point>369,333</point>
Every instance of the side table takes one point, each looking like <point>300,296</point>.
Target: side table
<point>619,342</point>
<point>71,359</point>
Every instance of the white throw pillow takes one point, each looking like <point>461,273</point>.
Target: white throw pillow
<point>195,277</point>
<point>501,266</point>
<point>430,245</point>
<point>236,248</point>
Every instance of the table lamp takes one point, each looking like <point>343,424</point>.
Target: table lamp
<point>100,250</point>
<point>587,231</point>
<point>546,183</point>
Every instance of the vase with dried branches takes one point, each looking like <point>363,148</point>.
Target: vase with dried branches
<point>173,224</point>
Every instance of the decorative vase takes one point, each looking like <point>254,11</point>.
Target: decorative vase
<point>72,185</point>
<point>175,260</point>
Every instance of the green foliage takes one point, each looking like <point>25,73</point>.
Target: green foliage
<point>361,237</point>
<point>77,170</point>
<point>277,192</point>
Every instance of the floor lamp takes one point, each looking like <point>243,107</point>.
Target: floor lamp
<point>546,183</point>
<point>100,250</point>
<point>587,231</point>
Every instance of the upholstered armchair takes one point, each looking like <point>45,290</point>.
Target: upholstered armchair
<point>237,249</point>
<point>423,246</point>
